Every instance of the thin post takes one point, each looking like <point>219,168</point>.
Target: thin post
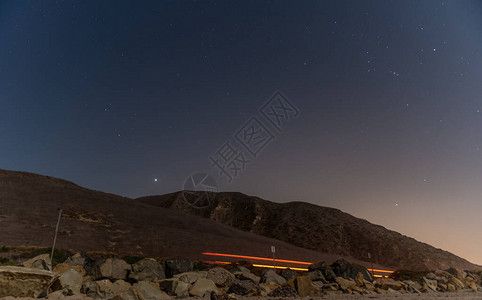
<point>371,262</point>
<point>55,237</point>
<point>273,250</point>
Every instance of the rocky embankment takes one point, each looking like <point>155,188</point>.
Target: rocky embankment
<point>147,278</point>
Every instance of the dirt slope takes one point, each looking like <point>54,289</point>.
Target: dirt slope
<point>317,228</point>
<point>96,221</point>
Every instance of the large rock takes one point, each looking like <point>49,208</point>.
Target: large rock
<point>346,285</point>
<point>69,280</point>
<point>24,282</point>
<point>284,291</point>
<point>63,267</point>
<point>147,269</point>
<point>343,268</point>
<point>190,277</point>
<point>239,268</point>
<point>76,260</point>
<point>304,287</point>
<point>120,286</point>
<point>147,291</point>
<point>388,283</point>
<point>242,287</point>
<point>457,282</point>
<point>182,289</point>
<point>412,287</point>
<point>267,288</point>
<point>169,285</point>
<point>325,269</point>
<point>271,276</point>
<point>221,277</point>
<point>430,283</point>
<point>110,268</point>
<point>203,287</point>
<point>82,260</point>
<point>175,266</point>
<point>91,289</point>
<point>458,273</point>
<point>248,276</point>
<point>175,287</point>
<point>41,262</point>
<point>316,275</point>
<point>288,274</point>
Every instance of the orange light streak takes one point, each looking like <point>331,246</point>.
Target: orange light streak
<point>258,258</point>
<point>278,260</point>
<point>279,267</point>
<point>381,271</point>
<point>217,262</point>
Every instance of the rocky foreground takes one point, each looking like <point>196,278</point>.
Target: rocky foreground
<point>82,277</point>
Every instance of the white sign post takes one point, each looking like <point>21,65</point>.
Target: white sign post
<point>273,250</point>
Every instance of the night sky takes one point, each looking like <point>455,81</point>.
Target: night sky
<point>382,119</point>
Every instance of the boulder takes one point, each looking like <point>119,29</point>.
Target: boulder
<point>359,280</point>
<point>317,275</point>
<point>457,282</point>
<point>388,283</point>
<point>343,268</point>
<point>239,268</point>
<point>325,269</point>
<point>248,276</point>
<point>91,289</point>
<point>451,288</point>
<point>82,260</point>
<point>473,286</point>
<point>70,280</point>
<point>76,260</point>
<point>304,287</point>
<point>284,291</point>
<point>127,295</point>
<point>203,287</point>
<point>41,262</point>
<point>412,287</point>
<point>271,276</point>
<point>182,289</point>
<point>242,287</point>
<point>63,267</point>
<point>175,266</point>
<point>190,277</point>
<point>267,288</point>
<point>457,273</point>
<point>110,268</point>
<point>147,291</point>
<point>221,277</point>
<point>147,269</point>
<point>290,283</point>
<point>104,287</point>
<point>24,282</point>
<point>120,286</point>
<point>169,285</point>
<point>346,285</point>
<point>288,274</point>
<point>431,284</point>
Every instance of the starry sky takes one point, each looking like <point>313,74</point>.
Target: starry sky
<point>380,110</point>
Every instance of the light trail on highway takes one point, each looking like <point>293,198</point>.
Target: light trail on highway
<point>386,272</point>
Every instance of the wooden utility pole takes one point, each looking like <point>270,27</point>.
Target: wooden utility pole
<point>55,237</point>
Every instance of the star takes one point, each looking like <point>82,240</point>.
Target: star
<point>155,179</point>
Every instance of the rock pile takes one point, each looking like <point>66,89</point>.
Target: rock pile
<point>114,278</point>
